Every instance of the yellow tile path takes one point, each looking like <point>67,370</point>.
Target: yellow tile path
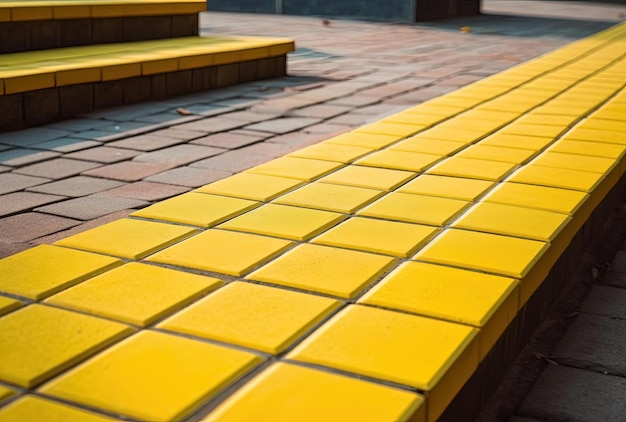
<point>365,277</point>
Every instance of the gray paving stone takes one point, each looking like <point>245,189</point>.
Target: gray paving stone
<point>615,278</point>
<point>521,419</point>
<point>243,158</point>
<point>227,140</point>
<point>11,182</point>
<point>147,142</point>
<point>66,145</point>
<point>77,186</point>
<point>594,342</point>
<point>129,171</point>
<point>31,136</point>
<point>169,118</point>
<point>96,135</point>
<point>31,225</point>
<point>90,207</point>
<point>607,301</point>
<point>189,176</point>
<point>179,133</point>
<point>619,261</point>
<point>105,155</point>
<point>212,125</point>
<point>576,395</point>
<point>322,111</point>
<point>79,125</point>
<point>16,157</point>
<point>8,249</point>
<point>284,124</point>
<point>23,201</point>
<point>57,168</point>
<point>179,154</point>
<point>146,191</point>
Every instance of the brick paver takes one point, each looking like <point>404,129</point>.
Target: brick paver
<point>90,207</point>
<point>105,155</point>
<point>58,168</point>
<point>146,191</point>
<point>189,176</point>
<point>179,154</point>
<point>11,182</point>
<point>77,186</point>
<point>31,225</point>
<point>129,171</point>
<point>25,201</point>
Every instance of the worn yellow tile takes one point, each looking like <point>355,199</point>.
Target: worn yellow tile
<point>538,197</point>
<point>385,237</point>
<point>557,177</point>
<point>25,13</point>
<point>135,378</point>
<point>515,221</point>
<point>8,304</point>
<point>284,221</point>
<point>27,82</point>
<point>429,146</point>
<point>222,252</point>
<point>395,129</point>
<point>198,209</point>
<point>366,140</point>
<point>38,342</point>
<point>369,177</point>
<point>494,153</point>
<point>128,238</point>
<point>331,152</point>
<point>5,393</point>
<point>508,256</point>
<point>296,168</point>
<point>136,293</point>
<point>259,317</point>
<point>533,143</point>
<point>34,408</point>
<point>595,149</point>
<point>316,395</point>
<point>484,301</point>
<point>333,271</point>
<point>77,76</point>
<point>71,12</point>
<point>258,187</point>
<point>415,208</point>
<point>44,270</point>
<point>472,168</point>
<point>114,72</point>
<point>399,160</point>
<point>452,134</point>
<point>424,353</point>
<point>326,196</point>
<point>447,187</point>
<point>575,162</point>
<point>544,131</point>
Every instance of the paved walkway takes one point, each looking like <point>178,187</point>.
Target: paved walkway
<point>67,177</point>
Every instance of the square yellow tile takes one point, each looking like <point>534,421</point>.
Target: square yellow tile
<point>410,117</point>
<point>259,317</point>
<point>198,209</point>
<point>8,304</point>
<point>393,346</point>
<point>366,140</point>
<point>38,342</point>
<point>317,396</point>
<point>447,187</point>
<point>136,377</point>
<point>508,256</point>
<point>258,187</point>
<point>429,146</point>
<point>595,135</point>
<point>332,152</point>
<point>284,221</point>
<point>575,162</point>
<point>5,393</point>
<point>493,153</point>
<point>128,238</point>
<point>472,168</point>
<point>415,208</point>
<point>453,134</point>
<point>544,131</point>
<point>596,149</point>
<point>538,197</point>
<point>296,168</point>
<point>517,141</point>
<point>33,408</point>
<point>44,270</point>
<point>333,271</point>
<point>396,129</point>
<point>326,196</point>
<point>369,177</point>
<point>399,160</point>
<point>515,221</point>
<point>485,301</point>
<point>385,237</point>
<point>222,252</point>
<point>557,177</point>
<point>136,293</point>
<point>547,120</point>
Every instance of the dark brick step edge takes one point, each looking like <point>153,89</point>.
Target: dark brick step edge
<point>478,390</point>
<point>43,106</point>
<point>46,34</point>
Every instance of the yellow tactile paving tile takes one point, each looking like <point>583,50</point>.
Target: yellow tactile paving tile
<point>472,168</point>
<point>5,393</point>
<point>451,133</point>
<point>44,270</point>
<point>332,152</point>
<point>332,271</point>
<point>222,251</point>
<point>136,377</point>
<point>557,177</point>
<point>412,208</point>
<point>128,238</point>
<point>197,209</point>
<point>484,301</point>
<point>399,160</point>
<point>534,143</point>
<point>365,140</point>
<point>537,197</point>
<point>38,342</point>
<point>575,162</point>
<point>369,177</point>
<point>34,408</point>
<point>330,197</point>
<point>429,146</point>
<point>388,345</point>
<point>494,153</point>
<point>257,187</point>
<point>259,317</point>
<point>601,124</point>
<point>135,293</point>
<point>543,131</point>
<point>515,221</point>
<point>503,255</point>
<point>410,117</point>
<point>594,149</point>
<point>8,304</point>
<point>296,168</point>
<point>284,221</point>
<point>395,129</point>
<point>378,236</point>
<point>316,395</point>
<point>447,187</point>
